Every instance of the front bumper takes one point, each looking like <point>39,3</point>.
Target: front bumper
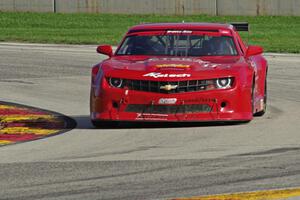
<point>115,104</point>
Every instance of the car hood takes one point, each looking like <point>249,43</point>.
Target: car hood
<point>122,65</point>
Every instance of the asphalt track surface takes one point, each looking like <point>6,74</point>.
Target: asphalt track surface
<point>148,162</point>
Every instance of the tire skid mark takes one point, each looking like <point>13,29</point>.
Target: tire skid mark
<point>19,123</point>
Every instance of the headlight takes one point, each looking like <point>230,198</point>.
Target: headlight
<point>116,82</point>
<point>223,83</point>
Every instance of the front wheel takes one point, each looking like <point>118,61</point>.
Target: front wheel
<point>262,112</point>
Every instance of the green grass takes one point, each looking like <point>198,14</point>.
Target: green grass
<point>275,34</point>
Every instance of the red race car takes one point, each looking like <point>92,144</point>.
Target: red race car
<point>180,72</point>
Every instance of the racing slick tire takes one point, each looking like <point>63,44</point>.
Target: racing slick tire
<point>252,97</point>
<point>262,112</point>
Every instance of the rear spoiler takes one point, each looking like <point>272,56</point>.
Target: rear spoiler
<point>240,26</point>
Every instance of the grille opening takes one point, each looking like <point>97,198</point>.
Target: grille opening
<point>155,86</point>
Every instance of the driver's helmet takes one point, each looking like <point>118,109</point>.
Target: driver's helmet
<point>221,46</point>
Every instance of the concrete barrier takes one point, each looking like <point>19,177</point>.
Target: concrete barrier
<point>258,7</point>
<point>27,5</point>
<point>279,7</point>
<point>165,7</point>
<point>177,7</point>
<point>237,7</point>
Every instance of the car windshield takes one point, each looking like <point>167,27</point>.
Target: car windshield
<point>178,45</point>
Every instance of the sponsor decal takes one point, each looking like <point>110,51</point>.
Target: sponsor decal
<point>147,116</point>
<point>173,66</point>
<point>205,64</point>
<point>179,32</point>
<point>160,75</point>
<point>225,32</point>
<point>201,100</point>
<point>167,101</point>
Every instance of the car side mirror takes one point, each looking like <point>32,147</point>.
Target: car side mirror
<point>254,50</point>
<point>105,49</point>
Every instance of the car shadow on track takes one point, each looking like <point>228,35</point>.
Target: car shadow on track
<point>84,122</point>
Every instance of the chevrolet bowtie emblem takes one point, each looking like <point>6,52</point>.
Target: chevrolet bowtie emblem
<point>168,87</point>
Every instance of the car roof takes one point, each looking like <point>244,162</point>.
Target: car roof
<point>180,26</point>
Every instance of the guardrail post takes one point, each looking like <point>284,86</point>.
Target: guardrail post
<point>217,7</point>
<point>54,6</point>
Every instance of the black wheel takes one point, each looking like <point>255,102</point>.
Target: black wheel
<point>104,124</point>
<point>252,97</point>
<point>262,112</point>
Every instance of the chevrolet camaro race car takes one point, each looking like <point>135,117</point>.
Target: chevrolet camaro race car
<point>180,72</point>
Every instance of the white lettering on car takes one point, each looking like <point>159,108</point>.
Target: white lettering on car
<point>160,75</point>
<point>167,101</point>
<point>179,32</point>
<point>150,116</point>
